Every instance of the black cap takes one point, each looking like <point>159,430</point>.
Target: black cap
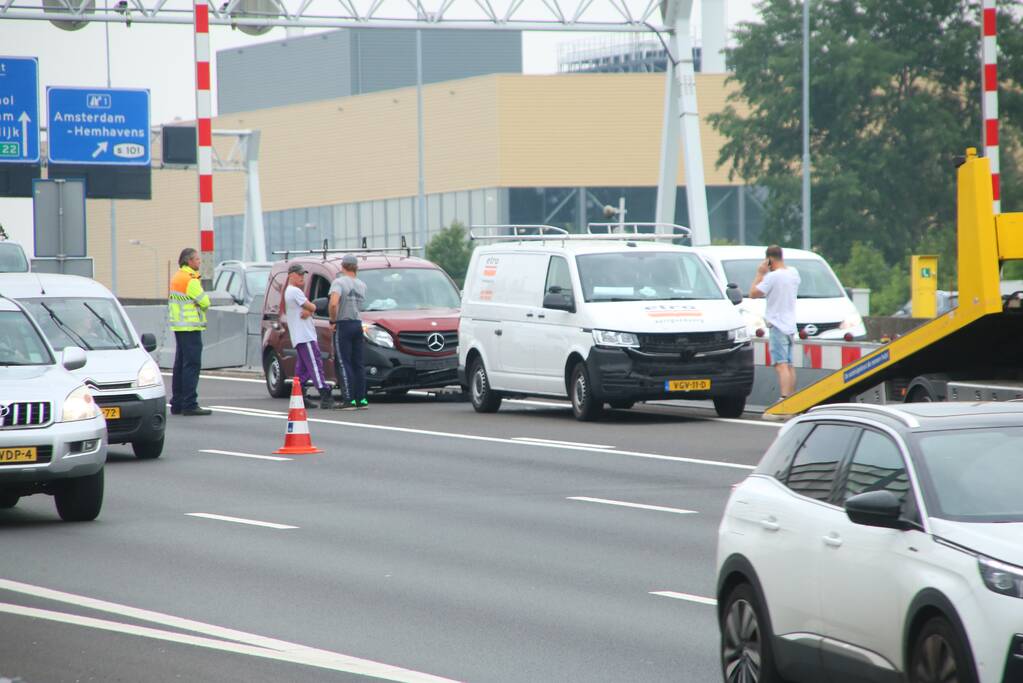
<point>296,268</point>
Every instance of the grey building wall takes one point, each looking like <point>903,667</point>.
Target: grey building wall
<point>355,61</point>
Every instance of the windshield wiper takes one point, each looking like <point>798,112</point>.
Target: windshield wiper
<point>123,344</point>
<point>67,330</point>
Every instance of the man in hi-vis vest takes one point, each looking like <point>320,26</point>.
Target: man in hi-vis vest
<point>186,313</point>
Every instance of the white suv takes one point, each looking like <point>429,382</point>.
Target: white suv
<point>53,438</point>
<point>878,544</point>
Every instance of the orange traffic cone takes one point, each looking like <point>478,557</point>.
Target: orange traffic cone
<point>296,439</point>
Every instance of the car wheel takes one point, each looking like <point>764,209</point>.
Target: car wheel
<point>80,499</point>
<point>939,656</point>
<point>920,395</point>
<point>147,450</point>
<point>274,372</point>
<point>484,399</point>
<point>621,405</point>
<point>729,406</point>
<point>8,500</point>
<point>585,405</point>
<point>746,655</point>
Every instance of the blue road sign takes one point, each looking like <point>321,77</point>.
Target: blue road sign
<point>98,126</point>
<point>19,110</point>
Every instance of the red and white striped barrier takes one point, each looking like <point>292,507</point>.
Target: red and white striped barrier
<point>204,137</point>
<point>989,103</point>
<point>816,354</point>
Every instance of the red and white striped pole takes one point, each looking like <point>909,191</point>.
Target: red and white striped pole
<point>204,139</point>
<point>989,106</point>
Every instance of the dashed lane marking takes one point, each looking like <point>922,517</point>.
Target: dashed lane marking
<point>639,506</point>
<point>240,520</point>
<point>490,439</point>
<point>530,439</point>
<point>686,596</point>
<point>244,455</point>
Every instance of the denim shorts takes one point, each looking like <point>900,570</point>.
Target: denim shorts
<point>780,346</point>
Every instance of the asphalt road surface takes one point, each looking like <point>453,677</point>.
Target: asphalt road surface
<point>426,542</point>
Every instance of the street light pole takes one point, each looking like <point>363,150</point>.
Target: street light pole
<point>806,124</point>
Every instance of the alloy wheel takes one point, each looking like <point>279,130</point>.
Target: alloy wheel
<point>935,661</point>
<point>741,644</point>
<point>479,384</point>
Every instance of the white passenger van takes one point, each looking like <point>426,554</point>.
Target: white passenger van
<point>124,380</point>
<point>824,309</point>
<point>600,319</point>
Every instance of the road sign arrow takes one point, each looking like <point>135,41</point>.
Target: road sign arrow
<point>24,118</point>
<point>100,149</point>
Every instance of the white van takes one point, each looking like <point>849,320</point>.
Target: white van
<point>600,319</point>
<point>824,309</point>
<point>124,380</point>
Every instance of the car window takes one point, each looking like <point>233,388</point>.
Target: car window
<point>816,280</point>
<point>275,297</point>
<point>12,258</point>
<point>234,287</point>
<point>255,281</point>
<point>813,469</point>
<point>223,277</point>
<point>558,276</point>
<point>20,344</point>
<point>776,461</point>
<point>876,465</point>
<point>319,288</point>
<point>408,289</point>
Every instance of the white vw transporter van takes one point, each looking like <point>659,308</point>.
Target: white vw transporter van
<point>609,318</point>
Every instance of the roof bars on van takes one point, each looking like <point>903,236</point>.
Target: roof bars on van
<point>404,248</point>
<point>542,233</point>
<point>498,233</point>
<point>633,230</point>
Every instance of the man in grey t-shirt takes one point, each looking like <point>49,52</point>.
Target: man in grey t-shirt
<point>347,298</point>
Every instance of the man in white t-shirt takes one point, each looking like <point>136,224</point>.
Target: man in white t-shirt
<point>298,311</point>
<point>779,284</point>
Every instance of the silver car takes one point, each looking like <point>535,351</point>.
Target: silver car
<point>53,438</point>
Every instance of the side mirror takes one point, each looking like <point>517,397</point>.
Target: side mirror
<point>321,306</point>
<point>848,293</point>
<point>73,358</point>
<point>149,342</point>
<point>875,508</point>
<point>733,293</point>
<point>559,302</point>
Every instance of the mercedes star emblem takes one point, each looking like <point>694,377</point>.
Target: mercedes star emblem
<point>435,342</point>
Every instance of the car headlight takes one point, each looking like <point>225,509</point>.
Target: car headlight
<point>740,335</point>
<point>615,339</point>
<point>1000,577</point>
<point>378,335</point>
<point>149,375</point>
<point>850,322</point>
<point>79,405</point>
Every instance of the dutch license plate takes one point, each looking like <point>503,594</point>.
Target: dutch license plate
<point>686,385</point>
<point>112,413</point>
<point>18,454</point>
<point>437,364</point>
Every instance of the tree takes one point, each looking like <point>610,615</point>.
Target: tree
<point>450,250</point>
<point>895,98</point>
<point>866,267</point>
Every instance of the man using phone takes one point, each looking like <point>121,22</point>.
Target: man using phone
<point>779,284</point>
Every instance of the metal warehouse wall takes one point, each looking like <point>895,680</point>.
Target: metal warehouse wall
<point>356,61</point>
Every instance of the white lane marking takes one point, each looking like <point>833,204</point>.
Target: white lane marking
<point>490,439</point>
<point>225,379</point>
<point>530,439</point>
<point>243,455</point>
<point>640,506</point>
<point>748,423</point>
<point>239,520</point>
<point>243,643</point>
<point>686,596</point>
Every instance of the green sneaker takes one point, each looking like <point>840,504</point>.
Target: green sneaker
<point>363,404</point>
<point>351,405</point>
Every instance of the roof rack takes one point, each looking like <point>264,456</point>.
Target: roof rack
<point>546,233</point>
<point>288,253</point>
<point>632,229</point>
<point>890,411</point>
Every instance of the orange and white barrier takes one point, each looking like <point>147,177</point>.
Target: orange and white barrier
<point>816,354</point>
<point>297,440</point>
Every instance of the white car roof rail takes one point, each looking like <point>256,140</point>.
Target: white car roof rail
<point>632,229</point>
<point>514,232</point>
<point>549,233</point>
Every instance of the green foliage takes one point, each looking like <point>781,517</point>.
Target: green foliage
<point>451,250</point>
<point>895,97</point>
<point>866,267</point>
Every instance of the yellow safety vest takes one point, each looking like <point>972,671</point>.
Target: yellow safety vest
<point>187,302</point>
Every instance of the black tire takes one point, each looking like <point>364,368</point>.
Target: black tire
<point>920,395</point>
<point>746,654</point>
<point>8,500</point>
<point>80,499</point>
<point>729,406</point>
<point>621,405</point>
<point>585,405</point>
<point>483,398</point>
<point>938,654</point>
<point>273,372</point>
<point>147,450</point>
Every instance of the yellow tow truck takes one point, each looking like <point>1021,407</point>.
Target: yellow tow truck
<point>974,351</point>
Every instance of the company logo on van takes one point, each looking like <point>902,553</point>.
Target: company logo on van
<point>490,266</point>
<point>673,311</point>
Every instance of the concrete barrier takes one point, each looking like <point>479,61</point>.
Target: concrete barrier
<point>225,342</point>
<point>813,360</point>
